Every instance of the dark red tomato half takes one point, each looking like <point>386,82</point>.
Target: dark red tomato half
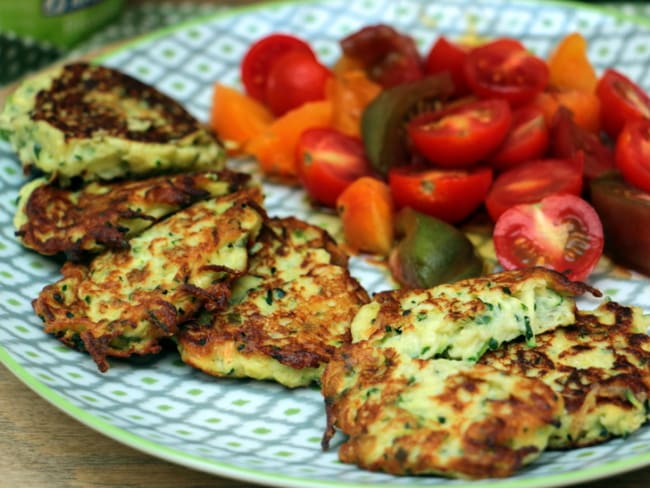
<point>389,57</point>
<point>561,232</point>
<point>328,161</point>
<point>447,194</point>
<point>461,135</point>
<point>527,139</point>
<point>503,68</point>
<point>633,153</point>
<point>259,58</point>
<point>294,79</point>
<point>530,182</point>
<point>568,139</point>
<point>621,100</point>
<point>445,55</point>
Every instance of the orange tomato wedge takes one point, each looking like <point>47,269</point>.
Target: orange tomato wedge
<point>569,65</point>
<point>350,91</point>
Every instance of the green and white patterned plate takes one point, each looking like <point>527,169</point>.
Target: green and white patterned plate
<point>256,431</point>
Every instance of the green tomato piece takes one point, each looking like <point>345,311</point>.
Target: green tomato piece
<point>431,252</point>
<point>383,122</point>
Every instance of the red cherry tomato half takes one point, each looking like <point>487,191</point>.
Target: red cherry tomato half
<point>526,140</point>
<point>569,139</point>
<point>328,162</point>
<point>461,135</point>
<point>448,56</point>
<point>633,153</point>
<point>294,79</point>
<point>505,69</point>
<point>447,194</point>
<point>388,56</point>
<point>561,232</point>
<point>530,182</point>
<point>621,100</point>
<point>259,58</point>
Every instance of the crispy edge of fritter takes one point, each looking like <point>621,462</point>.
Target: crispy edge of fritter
<point>587,389</point>
<point>486,444</point>
<point>107,215</point>
<point>251,340</point>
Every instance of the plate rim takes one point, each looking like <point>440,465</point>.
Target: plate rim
<point>270,478</point>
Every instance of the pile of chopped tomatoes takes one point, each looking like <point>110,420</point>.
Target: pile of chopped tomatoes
<point>455,132</point>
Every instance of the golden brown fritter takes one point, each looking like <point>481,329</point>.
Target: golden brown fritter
<point>53,220</point>
<point>464,319</point>
<point>95,122</point>
<point>454,418</point>
<point>124,302</point>
<point>287,315</point>
<point>600,365</point>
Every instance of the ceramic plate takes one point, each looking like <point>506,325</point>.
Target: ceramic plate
<point>257,431</point>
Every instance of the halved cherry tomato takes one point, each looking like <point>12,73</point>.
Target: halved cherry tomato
<point>530,182</point>
<point>461,135</point>
<point>328,162</point>
<point>621,100</point>
<point>389,57</point>
<point>259,58</point>
<point>633,153</point>
<point>295,78</point>
<point>527,139</point>
<point>448,56</point>
<point>568,139</point>
<point>503,68</point>
<point>447,194</point>
<point>561,232</point>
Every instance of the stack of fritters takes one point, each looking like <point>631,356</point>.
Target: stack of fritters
<point>287,315</point>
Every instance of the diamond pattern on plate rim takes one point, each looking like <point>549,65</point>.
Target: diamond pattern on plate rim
<point>262,427</point>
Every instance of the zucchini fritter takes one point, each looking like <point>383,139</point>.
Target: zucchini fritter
<point>124,302</point>
<point>53,220</point>
<point>434,416</point>
<point>464,319</point>
<point>287,315</point>
<point>95,122</point>
<point>600,365</point>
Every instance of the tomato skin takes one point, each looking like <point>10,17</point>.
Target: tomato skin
<point>632,153</point>
<point>530,182</point>
<point>449,195</point>
<point>261,56</point>
<point>445,55</point>
<point>527,139</point>
<point>562,232</point>
<point>328,162</point>
<point>295,78</point>
<point>461,135</point>
<point>569,139</point>
<point>504,69</point>
<point>389,57</point>
<point>621,100</point>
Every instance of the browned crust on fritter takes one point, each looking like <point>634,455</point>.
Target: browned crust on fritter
<point>62,220</point>
<point>303,337</point>
<point>419,443</point>
<point>64,305</point>
<point>592,387</point>
<point>73,104</point>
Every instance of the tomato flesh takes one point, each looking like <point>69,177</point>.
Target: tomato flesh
<point>262,55</point>
<point>295,78</point>
<point>527,139</point>
<point>328,162</point>
<point>621,100</point>
<point>530,182</point>
<point>461,135</point>
<point>504,69</point>
<point>633,153</point>
<point>447,194</point>
<point>561,232</point>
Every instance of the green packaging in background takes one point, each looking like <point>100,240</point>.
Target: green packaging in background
<point>61,23</point>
